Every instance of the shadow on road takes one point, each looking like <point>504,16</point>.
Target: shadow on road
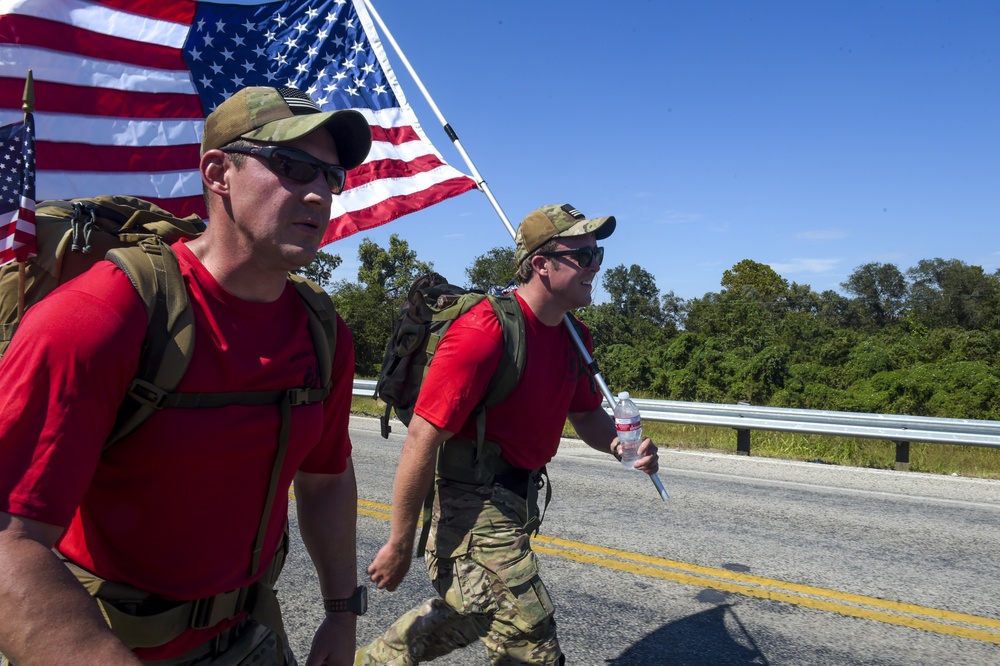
<point>703,638</point>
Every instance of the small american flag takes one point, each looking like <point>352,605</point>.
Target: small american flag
<point>17,191</point>
<point>123,87</point>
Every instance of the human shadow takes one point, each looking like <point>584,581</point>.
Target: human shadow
<point>704,638</point>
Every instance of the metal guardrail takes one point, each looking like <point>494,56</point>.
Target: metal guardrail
<point>900,429</point>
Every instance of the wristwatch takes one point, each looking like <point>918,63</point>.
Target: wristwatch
<point>357,603</point>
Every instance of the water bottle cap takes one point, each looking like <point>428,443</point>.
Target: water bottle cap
<point>624,395</point>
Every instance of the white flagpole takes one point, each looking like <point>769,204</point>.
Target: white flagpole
<point>481,183</point>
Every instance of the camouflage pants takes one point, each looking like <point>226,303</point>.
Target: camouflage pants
<point>482,566</point>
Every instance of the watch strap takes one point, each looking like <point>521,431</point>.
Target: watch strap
<point>337,605</point>
<point>356,603</point>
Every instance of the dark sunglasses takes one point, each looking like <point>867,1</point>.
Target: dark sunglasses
<point>584,256</point>
<point>295,164</point>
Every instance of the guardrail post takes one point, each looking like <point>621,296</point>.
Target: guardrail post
<point>743,442</point>
<point>903,456</point>
<point>743,434</point>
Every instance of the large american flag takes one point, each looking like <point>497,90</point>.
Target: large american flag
<point>17,191</point>
<point>123,86</point>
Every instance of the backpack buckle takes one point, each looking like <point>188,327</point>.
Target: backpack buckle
<point>299,396</point>
<point>201,614</point>
<point>146,393</point>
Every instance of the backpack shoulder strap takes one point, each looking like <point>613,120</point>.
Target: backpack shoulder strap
<point>512,359</point>
<point>322,323</point>
<point>153,269</point>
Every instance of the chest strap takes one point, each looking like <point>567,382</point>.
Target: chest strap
<point>151,395</point>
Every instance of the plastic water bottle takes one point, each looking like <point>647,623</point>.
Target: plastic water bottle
<point>628,423</point>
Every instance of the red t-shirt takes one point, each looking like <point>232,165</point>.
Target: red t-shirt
<point>529,423</point>
<point>174,508</point>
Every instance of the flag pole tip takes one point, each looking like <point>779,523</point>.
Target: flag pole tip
<point>29,93</point>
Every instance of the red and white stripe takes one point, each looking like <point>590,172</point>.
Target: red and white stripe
<point>132,124</point>
<point>17,233</point>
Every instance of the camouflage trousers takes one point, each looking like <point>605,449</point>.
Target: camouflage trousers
<point>480,562</point>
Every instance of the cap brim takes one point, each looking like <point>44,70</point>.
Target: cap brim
<point>349,128</point>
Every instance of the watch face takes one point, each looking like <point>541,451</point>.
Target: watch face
<point>361,594</point>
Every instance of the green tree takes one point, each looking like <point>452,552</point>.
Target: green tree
<point>837,311</point>
<point>625,369</point>
<point>953,293</point>
<point>321,269</point>
<point>390,270</point>
<point>751,278</point>
<point>370,307</point>
<point>673,308</point>
<point>633,293</point>
<point>493,269</point>
<point>371,319</point>
<point>880,291</point>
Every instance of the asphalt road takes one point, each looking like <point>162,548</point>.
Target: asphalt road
<point>752,561</point>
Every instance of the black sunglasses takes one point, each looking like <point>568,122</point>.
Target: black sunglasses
<point>295,164</point>
<point>584,256</point>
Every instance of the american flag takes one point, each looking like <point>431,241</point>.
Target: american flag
<point>17,191</point>
<point>122,88</point>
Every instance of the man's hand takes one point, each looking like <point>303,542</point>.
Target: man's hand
<point>333,644</point>
<point>414,479</point>
<point>650,460</point>
<point>389,567</point>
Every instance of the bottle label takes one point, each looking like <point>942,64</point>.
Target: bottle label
<point>625,425</point>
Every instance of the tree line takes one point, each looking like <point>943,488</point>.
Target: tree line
<point>923,341</point>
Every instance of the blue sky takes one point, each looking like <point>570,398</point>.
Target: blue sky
<point>812,137</point>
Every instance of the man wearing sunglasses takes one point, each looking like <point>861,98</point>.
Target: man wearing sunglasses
<point>478,549</point>
<point>168,517</point>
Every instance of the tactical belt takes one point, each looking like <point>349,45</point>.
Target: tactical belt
<point>141,619</point>
<point>463,461</point>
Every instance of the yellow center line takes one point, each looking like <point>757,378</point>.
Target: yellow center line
<point>773,595</point>
<point>770,582</point>
<point>853,605</point>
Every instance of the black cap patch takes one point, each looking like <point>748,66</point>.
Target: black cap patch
<point>577,215</point>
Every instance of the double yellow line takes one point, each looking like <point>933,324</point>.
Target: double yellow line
<point>853,605</point>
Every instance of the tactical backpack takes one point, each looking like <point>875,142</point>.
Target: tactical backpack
<point>72,236</point>
<point>136,234</point>
<point>431,306</point>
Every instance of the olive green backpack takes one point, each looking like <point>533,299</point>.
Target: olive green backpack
<point>431,306</point>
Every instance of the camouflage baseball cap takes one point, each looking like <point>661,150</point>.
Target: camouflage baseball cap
<point>555,221</point>
<point>278,115</point>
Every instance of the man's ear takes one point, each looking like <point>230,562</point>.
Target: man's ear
<point>213,171</point>
<point>540,264</point>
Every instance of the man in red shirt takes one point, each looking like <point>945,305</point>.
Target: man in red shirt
<point>168,515</point>
<point>478,552</point>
